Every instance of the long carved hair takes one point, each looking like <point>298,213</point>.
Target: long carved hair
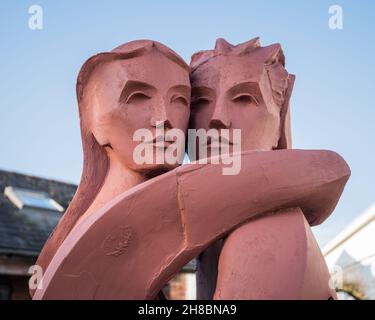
<point>95,159</point>
<point>281,81</point>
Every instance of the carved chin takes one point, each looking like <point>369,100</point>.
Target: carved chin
<point>157,170</point>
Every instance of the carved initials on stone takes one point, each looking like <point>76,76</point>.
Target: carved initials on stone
<point>117,242</point>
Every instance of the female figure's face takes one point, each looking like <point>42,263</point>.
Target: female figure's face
<point>138,93</point>
<point>233,92</point>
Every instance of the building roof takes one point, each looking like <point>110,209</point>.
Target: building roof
<point>23,231</point>
<point>353,228</point>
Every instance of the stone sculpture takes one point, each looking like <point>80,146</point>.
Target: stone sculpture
<point>131,227</point>
<point>247,87</point>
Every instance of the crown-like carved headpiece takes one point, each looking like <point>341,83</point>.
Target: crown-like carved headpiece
<point>272,57</point>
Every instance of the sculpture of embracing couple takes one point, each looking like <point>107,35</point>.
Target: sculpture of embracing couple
<point>131,227</point>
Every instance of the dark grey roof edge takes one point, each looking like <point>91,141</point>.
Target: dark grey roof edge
<point>33,176</point>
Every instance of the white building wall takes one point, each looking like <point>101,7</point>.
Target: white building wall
<point>351,255</point>
<point>191,286</point>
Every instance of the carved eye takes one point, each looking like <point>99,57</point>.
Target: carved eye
<point>180,99</point>
<point>200,101</point>
<point>245,98</point>
<point>137,96</point>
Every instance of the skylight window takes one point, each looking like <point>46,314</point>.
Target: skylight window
<point>31,198</point>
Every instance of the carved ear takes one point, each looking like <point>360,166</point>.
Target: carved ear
<point>285,140</point>
<point>222,46</point>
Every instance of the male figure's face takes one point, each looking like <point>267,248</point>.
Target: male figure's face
<point>139,93</point>
<point>234,92</point>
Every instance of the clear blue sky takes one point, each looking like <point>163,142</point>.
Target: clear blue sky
<point>333,100</point>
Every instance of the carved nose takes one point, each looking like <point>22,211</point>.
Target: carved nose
<point>220,119</point>
<point>160,117</point>
<point>166,124</point>
<point>219,124</point>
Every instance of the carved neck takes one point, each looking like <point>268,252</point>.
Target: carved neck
<point>118,180</point>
